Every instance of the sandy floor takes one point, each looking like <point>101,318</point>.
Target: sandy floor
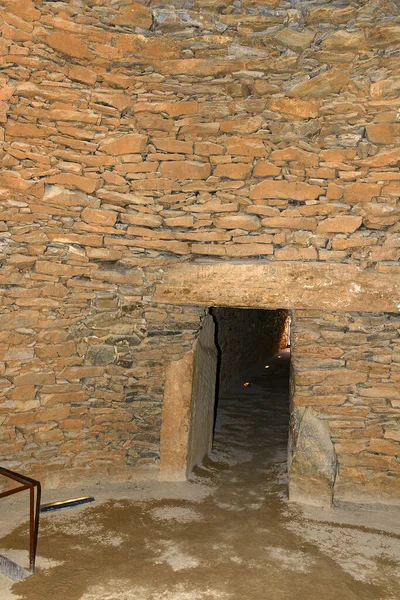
<point>228,534</point>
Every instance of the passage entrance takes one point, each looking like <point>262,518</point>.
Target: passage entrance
<point>231,342</point>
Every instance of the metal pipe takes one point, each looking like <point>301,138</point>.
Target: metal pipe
<point>36,528</point>
<point>31,529</point>
<point>14,491</point>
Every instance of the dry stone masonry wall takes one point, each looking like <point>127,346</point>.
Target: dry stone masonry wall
<point>86,392</point>
<point>135,136</point>
<point>347,373</point>
<point>212,129</point>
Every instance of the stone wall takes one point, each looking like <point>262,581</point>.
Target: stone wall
<point>246,338</point>
<point>137,138</point>
<point>347,375</point>
<point>255,130</point>
<point>82,397</point>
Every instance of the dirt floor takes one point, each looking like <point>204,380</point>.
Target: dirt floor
<point>228,534</point>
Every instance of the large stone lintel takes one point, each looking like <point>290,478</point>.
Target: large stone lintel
<point>295,285</point>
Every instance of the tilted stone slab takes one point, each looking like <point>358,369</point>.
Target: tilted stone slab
<point>313,462</point>
<point>285,190</point>
<point>69,44</point>
<point>325,84</point>
<point>287,284</point>
<point>199,67</point>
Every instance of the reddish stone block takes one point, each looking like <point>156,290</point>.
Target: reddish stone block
<point>295,109</point>
<point>25,9</point>
<point>342,224</point>
<point>30,379</point>
<point>237,171</point>
<point>182,170</point>
<point>172,145</point>
<point>100,217</point>
<point>149,48</point>
<point>69,180</point>
<point>266,169</point>
<point>199,67</point>
<point>384,447</point>
<point>245,146</point>
<point>69,44</point>
<point>383,133</point>
<point>131,143</point>
<point>54,435</point>
<point>248,222</point>
<point>297,155</point>
<point>330,82</point>
<point>54,414</point>
<point>286,190</point>
<point>82,74</point>
<point>26,130</point>
<point>294,253</point>
<point>134,15</point>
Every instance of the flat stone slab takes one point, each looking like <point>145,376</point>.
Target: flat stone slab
<point>271,285</point>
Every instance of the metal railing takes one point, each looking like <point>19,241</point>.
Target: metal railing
<point>34,508</point>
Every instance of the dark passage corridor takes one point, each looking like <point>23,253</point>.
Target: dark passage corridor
<point>253,414</point>
<point>252,396</point>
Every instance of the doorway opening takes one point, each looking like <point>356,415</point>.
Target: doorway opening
<point>246,339</point>
<point>233,347</point>
<point>252,394</point>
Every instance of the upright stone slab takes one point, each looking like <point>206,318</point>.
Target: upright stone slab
<point>313,460</point>
<point>203,394</point>
<point>188,409</point>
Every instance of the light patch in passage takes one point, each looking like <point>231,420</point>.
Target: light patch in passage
<point>367,557</point>
<point>292,560</point>
<point>172,554</point>
<point>179,514</point>
<point>121,589</point>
